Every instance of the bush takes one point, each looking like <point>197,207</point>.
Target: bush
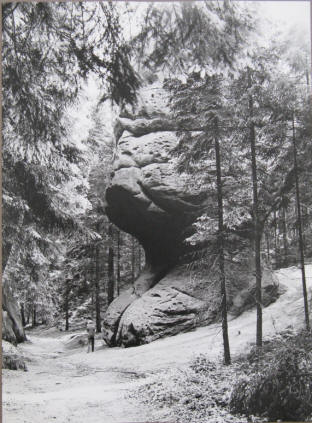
<point>277,380</point>
<point>271,383</point>
<point>197,393</point>
<point>12,358</point>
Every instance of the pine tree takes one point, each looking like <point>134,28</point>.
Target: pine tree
<point>39,159</point>
<point>256,223</point>
<point>300,237</point>
<point>226,346</point>
<point>97,288</point>
<point>194,102</point>
<point>111,282</point>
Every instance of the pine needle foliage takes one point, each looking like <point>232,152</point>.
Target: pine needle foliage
<point>48,49</point>
<point>192,34</point>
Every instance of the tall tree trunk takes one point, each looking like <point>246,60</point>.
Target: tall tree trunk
<point>256,223</point>
<point>276,245</point>
<point>300,238</point>
<point>66,305</point>
<point>8,301</point>
<point>267,237</point>
<point>97,289</point>
<point>92,279</point>
<point>139,257</point>
<point>110,286</point>
<point>67,318</point>
<point>304,220</point>
<point>34,321</point>
<point>23,315</point>
<point>226,345</point>
<point>132,259</point>
<point>285,242</point>
<point>118,262</point>
<point>14,248</point>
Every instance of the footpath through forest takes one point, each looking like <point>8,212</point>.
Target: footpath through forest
<point>64,385</point>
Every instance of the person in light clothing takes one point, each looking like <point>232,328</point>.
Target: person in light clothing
<point>91,333</point>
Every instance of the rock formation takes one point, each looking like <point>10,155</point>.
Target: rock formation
<point>150,200</point>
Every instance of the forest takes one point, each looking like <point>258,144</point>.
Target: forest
<point>156,169</point>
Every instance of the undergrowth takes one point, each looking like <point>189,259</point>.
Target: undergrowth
<point>196,394</point>
<point>276,381</point>
<point>272,383</point>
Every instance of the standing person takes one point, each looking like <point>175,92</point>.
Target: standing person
<point>91,333</point>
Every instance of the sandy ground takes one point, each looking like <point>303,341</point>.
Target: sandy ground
<point>73,386</point>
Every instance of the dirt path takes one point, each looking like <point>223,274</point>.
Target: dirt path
<point>73,386</point>
<point>68,386</point>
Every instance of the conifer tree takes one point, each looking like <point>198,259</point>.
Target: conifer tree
<point>256,223</point>
<point>226,346</point>
<point>300,235</point>
<point>48,49</point>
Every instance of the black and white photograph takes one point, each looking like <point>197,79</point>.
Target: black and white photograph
<point>156,211</point>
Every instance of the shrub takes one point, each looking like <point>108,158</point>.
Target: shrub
<point>12,358</point>
<point>197,393</point>
<point>277,380</point>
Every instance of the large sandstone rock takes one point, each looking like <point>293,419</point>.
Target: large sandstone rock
<point>76,340</point>
<point>148,199</point>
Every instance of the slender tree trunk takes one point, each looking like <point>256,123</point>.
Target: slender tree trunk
<point>9,303</point>
<point>118,263</point>
<point>34,322</point>
<point>14,248</point>
<point>110,286</point>
<point>97,290</point>
<point>285,242</point>
<point>257,232</point>
<point>132,259</point>
<point>303,223</point>
<point>92,305</point>
<point>28,316</point>
<point>67,319</point>
<point>92,280</point>
<point>23,315</point>
<point>276,246</point>
<point>226,345</point>
<point>66,305</point>
<point>300,238</point>
<point>139,257</point>
<point>267,237</point>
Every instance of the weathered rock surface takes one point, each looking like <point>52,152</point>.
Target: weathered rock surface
<point>167,309</point>
<point>76,341</point>
<point>246,298</point>
<point>148,199</point>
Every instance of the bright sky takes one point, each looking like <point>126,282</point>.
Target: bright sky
<point>288,13</point>
<point>283,14</point>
